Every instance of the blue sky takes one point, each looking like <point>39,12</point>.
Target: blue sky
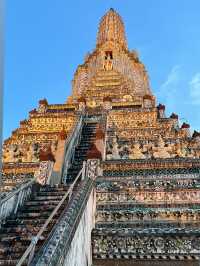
<point>46,40</point>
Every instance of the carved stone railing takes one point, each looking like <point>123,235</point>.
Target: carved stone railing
<point>43,174</point>
<point>73,229</point>
<point>93,118</point>
<point>11,182</point>
<point>29,253</point>
<point>15,199</point>
<point>70,146</point>
<point>10,204</point>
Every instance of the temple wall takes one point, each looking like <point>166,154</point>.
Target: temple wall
<point>80,252</point>
<point>144,263</point>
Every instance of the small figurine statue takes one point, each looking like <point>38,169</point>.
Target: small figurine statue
<point>54,146</point>
<point>108,64</point>
<point>115,149</point>
<point>6,154</point>
<point>12,153</point>
<point>135,152</point>
<point>161,151</point>
<point>147,149</point>
<point>180,151</point>
<point>32,154</point>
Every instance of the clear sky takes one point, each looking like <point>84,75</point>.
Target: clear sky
<point>45,41</point>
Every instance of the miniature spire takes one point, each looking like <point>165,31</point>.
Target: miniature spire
<point>111,28</point>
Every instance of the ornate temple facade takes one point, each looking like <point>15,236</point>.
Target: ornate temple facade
<point>105,178</point>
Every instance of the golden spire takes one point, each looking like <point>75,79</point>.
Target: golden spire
<point>111,28</point>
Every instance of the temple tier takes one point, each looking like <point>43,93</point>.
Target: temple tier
<point>146,185</point>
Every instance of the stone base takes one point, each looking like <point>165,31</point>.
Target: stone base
<point>115,262</point>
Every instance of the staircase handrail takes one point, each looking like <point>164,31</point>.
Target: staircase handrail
<point>14,192</point>
<point>31,248</point>
<point>70,146</point>
<point>15,199</point>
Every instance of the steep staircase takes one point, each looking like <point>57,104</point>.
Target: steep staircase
<point>87,138</point>
<point>11,182</point>
<point>108,83</point>
<point>18,231</point>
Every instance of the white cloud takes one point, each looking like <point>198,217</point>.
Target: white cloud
<point>194,86</point>
<point>172,78</point>
<point>169,89</point>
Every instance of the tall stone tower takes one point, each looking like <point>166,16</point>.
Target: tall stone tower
<point>111,70</point>
<point>104,179</point>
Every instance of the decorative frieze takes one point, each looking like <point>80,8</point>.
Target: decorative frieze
<point>154,184</point>
<point>151,215</point>
<point>122,166</point>
<point>149,197</point>
<point>106,243</point>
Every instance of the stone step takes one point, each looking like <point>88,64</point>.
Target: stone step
<point>6,253</point>
<point>16,222</point>
<point>51,193</point>
<point>82,149</point>
<point>8,262</point>
<point>34,215</point>
<point>89,125</point>
<point>17,233</point>
<point>79,154</point>
<point>12,238</point>
<point>56,189</point>
<point>39,208</point>
<point>85,144</point>
<point>88,137</point>
<point>89,130</point>
<point>13,245</point>
<point>20,229</point>
<point>76,166</point>
<point>44,198</point>
<point>72,176</point>
<point>44,203</point>
<point>78,163</point>
<point>18,248</point>
<point>72,173</point>
<point>16,252</point>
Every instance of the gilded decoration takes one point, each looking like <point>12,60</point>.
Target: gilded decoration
<point>143,136</point>
<point>40,131</point>
<point>150,197</point>
<point>147,178</point>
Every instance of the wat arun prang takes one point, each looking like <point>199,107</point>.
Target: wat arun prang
<point>148,189</point>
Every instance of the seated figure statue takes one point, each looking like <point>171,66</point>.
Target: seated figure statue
<point>6,155</point>
<point>180,151</point>
<point>12,153</point>
<point>32,153</point>
<point>136,153</point>
<point>161,151</point>
<point>108,64</point>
